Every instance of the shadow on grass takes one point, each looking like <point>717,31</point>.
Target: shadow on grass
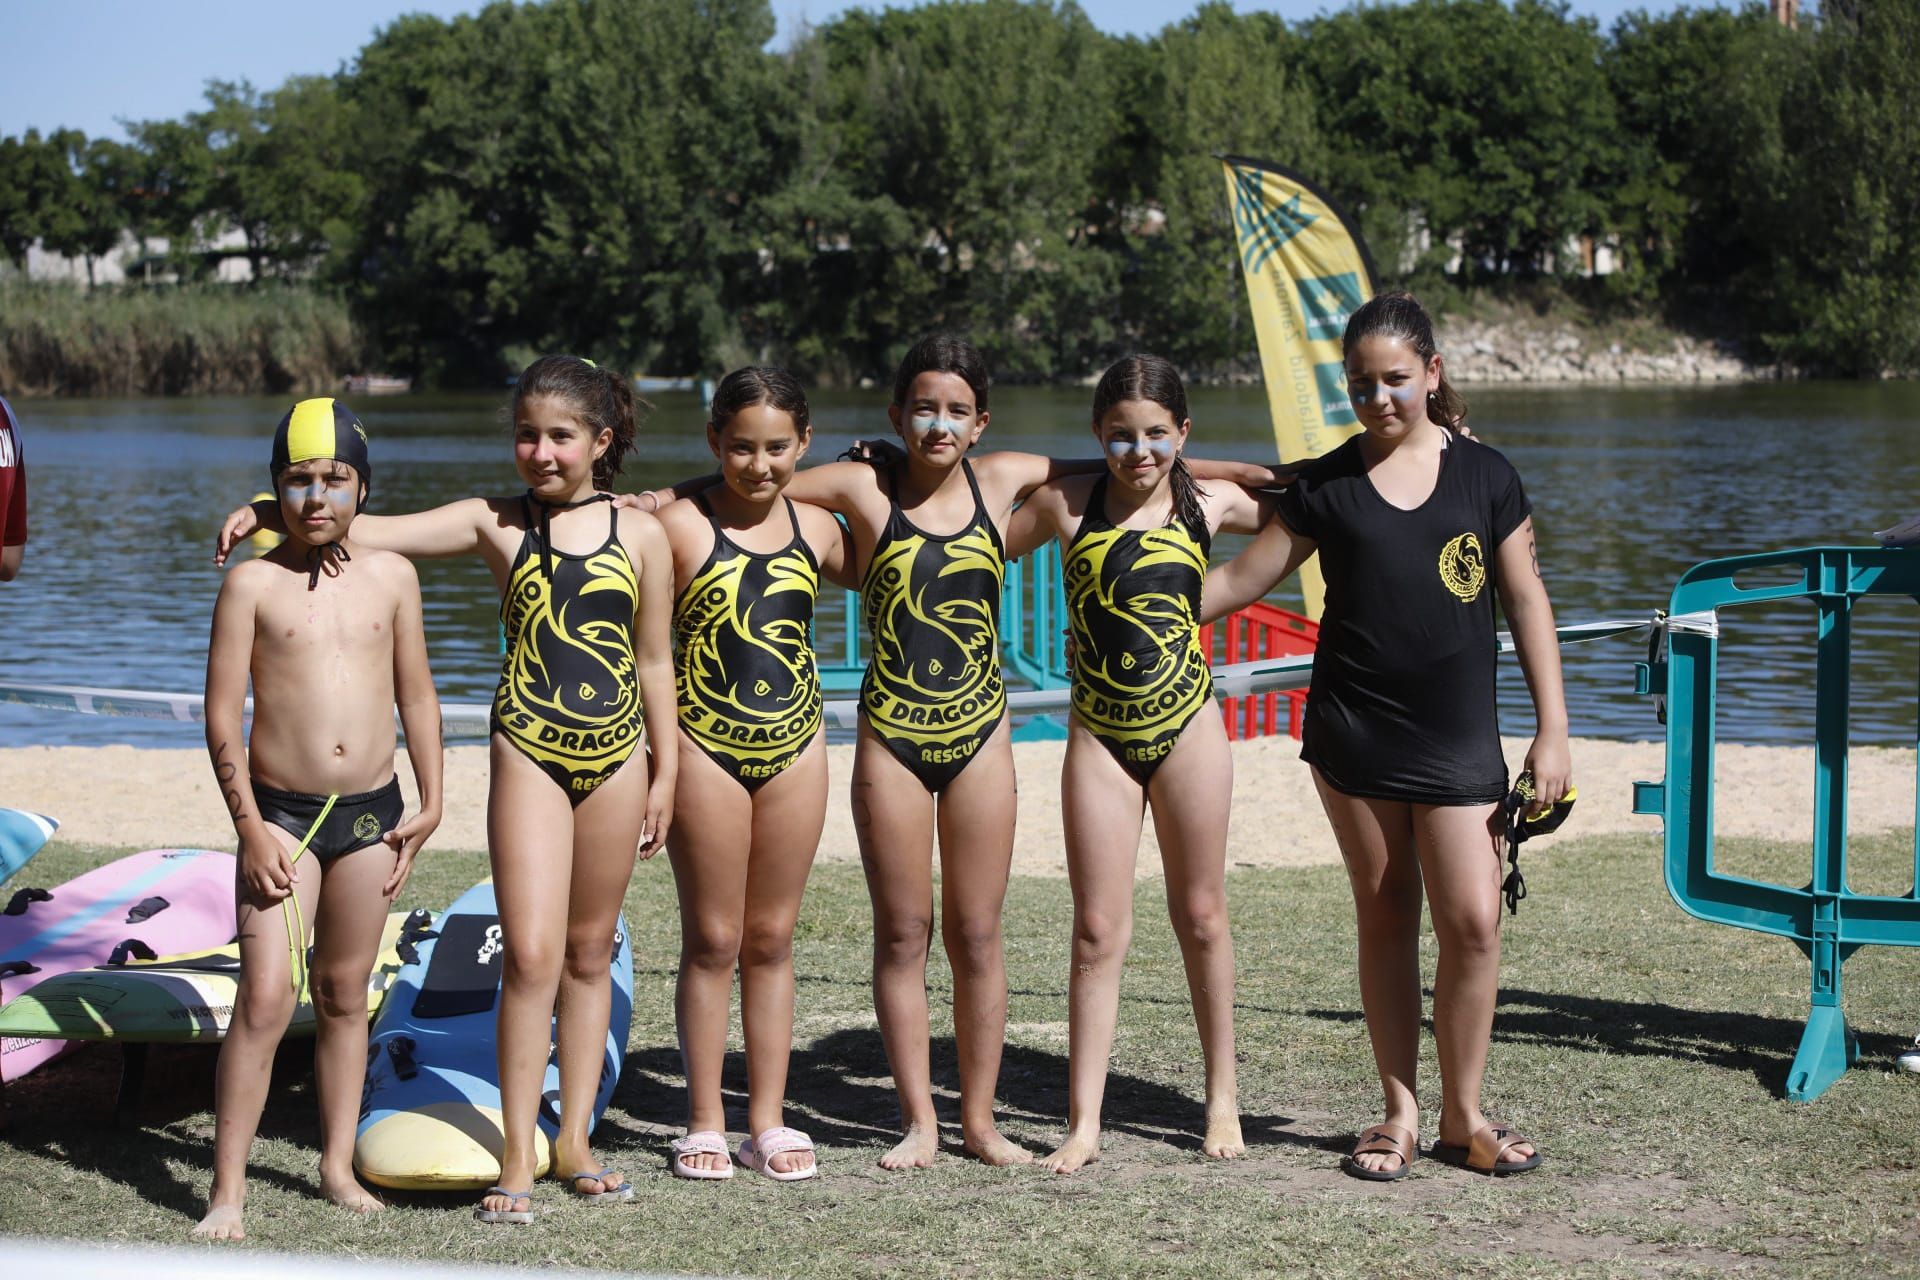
<point>1759,1044</point>
<point>840,1090</point>
<point>66,1114</point>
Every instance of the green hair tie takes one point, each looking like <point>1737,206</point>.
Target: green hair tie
<point>590,364</point>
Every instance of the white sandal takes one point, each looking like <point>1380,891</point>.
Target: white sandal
<point>707,1142</point>
<point>758,1153</point>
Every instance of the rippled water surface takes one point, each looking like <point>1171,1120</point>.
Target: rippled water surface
<point>1629,488</point>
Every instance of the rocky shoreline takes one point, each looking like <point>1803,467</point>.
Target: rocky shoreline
<point>1492,352</point>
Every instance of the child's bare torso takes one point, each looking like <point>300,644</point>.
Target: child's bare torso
<point>322,671</point>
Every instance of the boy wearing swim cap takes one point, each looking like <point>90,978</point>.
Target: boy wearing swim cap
<point>332,636</point>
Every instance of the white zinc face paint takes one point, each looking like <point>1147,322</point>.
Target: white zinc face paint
<point>1158,448</point>
<point>926,424</point>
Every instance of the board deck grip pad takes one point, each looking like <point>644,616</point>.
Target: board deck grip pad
<point>464,975</point>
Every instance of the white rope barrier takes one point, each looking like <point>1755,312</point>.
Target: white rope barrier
<point>470,719</point>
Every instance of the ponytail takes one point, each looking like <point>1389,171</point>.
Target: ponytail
<point>1186,497</point>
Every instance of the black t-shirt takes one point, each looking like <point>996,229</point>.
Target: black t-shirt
<point>1402,701</point>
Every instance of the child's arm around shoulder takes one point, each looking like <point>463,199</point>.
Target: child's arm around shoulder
<point>1051,511</point>
<point>1233,508</point>
<point>1008,476</point>
<point>451,530</point>
<point>646,543</point>
<point>266,872</point>
<point>845,488</point>
<point>419,705</point>
<point>1275,552</point>
<point>831,544</point>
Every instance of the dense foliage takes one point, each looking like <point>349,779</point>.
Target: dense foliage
<point>649,181</point>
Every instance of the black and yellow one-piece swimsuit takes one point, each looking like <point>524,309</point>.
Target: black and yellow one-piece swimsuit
<point>1133,600</point>
<point>932,691</point>
<point>567,697</point>
<point>748,685</point>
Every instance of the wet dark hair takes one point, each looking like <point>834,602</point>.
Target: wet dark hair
<point>599,398</point>
<point>1398,314</point>
<point>1143,377</point>
<point>757,385</point>
<point>943,353</point>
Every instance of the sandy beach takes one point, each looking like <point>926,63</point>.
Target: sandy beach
<point>127,796</point>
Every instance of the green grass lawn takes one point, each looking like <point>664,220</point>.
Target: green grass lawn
<point>1643,1049</point>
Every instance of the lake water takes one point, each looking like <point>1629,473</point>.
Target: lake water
<point>1629,487</point>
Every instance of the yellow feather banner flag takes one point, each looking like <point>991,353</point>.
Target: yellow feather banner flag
<point>1307,270</point>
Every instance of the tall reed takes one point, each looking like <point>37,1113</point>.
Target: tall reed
<point>193,340</point>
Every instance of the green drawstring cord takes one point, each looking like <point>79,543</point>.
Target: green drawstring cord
<point>290,910</point>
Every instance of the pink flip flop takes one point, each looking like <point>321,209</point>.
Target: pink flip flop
<point>757,1153</point>
<point>707,1142</point>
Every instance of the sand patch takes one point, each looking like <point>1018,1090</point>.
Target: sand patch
<point>120,795</point>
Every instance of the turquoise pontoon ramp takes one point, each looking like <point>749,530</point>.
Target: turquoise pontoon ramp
<point>1825,918</point>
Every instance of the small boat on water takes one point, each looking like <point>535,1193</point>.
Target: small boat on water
<point>378,384</point>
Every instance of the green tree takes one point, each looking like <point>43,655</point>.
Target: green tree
<point>1828,163</point>
<point>946,180</point>
<point>1671,197</point>
<point>1217,83</point>
<point>172,190</point>
<point>1488,125</point>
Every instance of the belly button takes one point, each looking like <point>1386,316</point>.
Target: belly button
<point>339,750</point>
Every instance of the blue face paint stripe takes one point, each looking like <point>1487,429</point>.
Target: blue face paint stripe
<point>130,893</point>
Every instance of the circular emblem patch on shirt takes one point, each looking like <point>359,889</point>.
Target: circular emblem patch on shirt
<point>1463,567</point>
<point>366,827</point>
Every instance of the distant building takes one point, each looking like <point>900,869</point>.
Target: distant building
<point>137,261</point>
<point>1785,12</point>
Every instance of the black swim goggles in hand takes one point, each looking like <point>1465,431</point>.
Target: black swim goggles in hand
<point>1520,826</point>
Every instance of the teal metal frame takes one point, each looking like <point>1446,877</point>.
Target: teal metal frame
<point>1033,649</point>
<point>1825,918</point>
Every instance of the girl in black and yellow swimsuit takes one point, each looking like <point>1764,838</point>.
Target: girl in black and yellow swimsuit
<point>933,753</point>
<point>1145,731</point>
<point>932,749</point>
<point>586,603</point>
<point>752,792</point>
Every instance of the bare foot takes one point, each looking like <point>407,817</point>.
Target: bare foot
<point>915,1151</point>
<point>1079,1150</point>
<point>1223,1141</point>
<point>221,1223</point>
<point>349,1194</point>
<point>993,1148</point>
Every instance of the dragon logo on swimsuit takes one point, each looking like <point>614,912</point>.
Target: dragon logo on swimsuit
<point>586,726</point>
<point>721,646</point>
<point>1138,667</point>
<point>943,685</point>
<point>1463,567</point>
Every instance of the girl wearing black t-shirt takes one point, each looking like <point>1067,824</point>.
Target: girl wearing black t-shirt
<point>1416,526</point>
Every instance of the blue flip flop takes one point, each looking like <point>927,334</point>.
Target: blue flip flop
<point>512,1217</point>
<point>622,1192</point>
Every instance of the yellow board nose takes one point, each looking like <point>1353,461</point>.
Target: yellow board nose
<point>448,1146</point>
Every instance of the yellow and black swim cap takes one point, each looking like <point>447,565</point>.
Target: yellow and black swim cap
<point>320,428</point>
